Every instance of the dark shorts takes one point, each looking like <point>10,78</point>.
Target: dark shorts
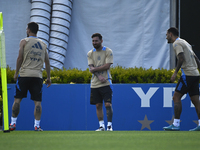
<point>97,95</point>
<point>32,84</point>
<point>188,84</point>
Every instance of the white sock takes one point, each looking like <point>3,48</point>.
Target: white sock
<point>109,124</point>
<point>176,122</point>
<point>199,122</point>
<point>13,120</point>
<point>101,124</point>
<point>37,123</point>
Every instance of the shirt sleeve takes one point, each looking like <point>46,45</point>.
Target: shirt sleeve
<point>109,56</point>
<point>177,48</point>
<point>90,60</point>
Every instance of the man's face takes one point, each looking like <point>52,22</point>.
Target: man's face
<point>96,42</point>
<point>169,37</point>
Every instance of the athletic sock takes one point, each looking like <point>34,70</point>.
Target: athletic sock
<point>101,124</point>
<point>109,124</point>
<point>13,120</point>
<point>199,122</point>
<point>37,123</point>
<point>176,122</point>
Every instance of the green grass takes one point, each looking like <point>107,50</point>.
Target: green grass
<point>91,140</point>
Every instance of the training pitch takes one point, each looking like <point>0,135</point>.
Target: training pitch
<point>105,140</point>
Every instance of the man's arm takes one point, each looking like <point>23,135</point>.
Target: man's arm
<point>197,61</point>
<point>100,68</point>
<point>19,58</point>
<point>181,59</point>
<point>91,66</point>
<point>101,78</point>
<point>48,70</point>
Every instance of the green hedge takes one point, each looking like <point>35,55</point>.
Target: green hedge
<point>119,75</point>
<point>141,75</point>
<point>69,76</point>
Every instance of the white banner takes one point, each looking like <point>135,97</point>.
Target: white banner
<point>135,31</point>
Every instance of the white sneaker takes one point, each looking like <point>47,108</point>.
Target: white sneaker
<point>109,128</point>
<point>100,129</point>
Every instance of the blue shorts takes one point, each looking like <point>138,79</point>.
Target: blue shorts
<point>188,84</point>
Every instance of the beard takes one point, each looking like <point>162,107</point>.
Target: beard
<point>97,46</point>
<point>27,35</point>
<point>169,41</point>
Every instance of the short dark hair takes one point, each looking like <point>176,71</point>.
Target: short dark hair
<point>174,31</point>
<point>97,35</point>
<point>34,27</point>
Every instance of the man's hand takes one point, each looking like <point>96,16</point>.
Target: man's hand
<point>101,78</point>
<point>15,76</point>
<point>92,69</point>
<point>48,82</point>
<point>173,77</point>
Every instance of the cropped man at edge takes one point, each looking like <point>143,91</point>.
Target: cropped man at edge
<point>188,82</point>
<point>32,55</point>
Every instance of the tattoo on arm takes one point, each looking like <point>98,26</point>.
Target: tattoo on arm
<point>181,59</point>
<point>95,73</point>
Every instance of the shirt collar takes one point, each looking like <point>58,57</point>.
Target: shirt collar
<point>32,37</point>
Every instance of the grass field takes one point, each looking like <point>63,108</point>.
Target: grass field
<point>91,140</point>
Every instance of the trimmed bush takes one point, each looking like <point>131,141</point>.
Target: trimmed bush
<point>119,75</point>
